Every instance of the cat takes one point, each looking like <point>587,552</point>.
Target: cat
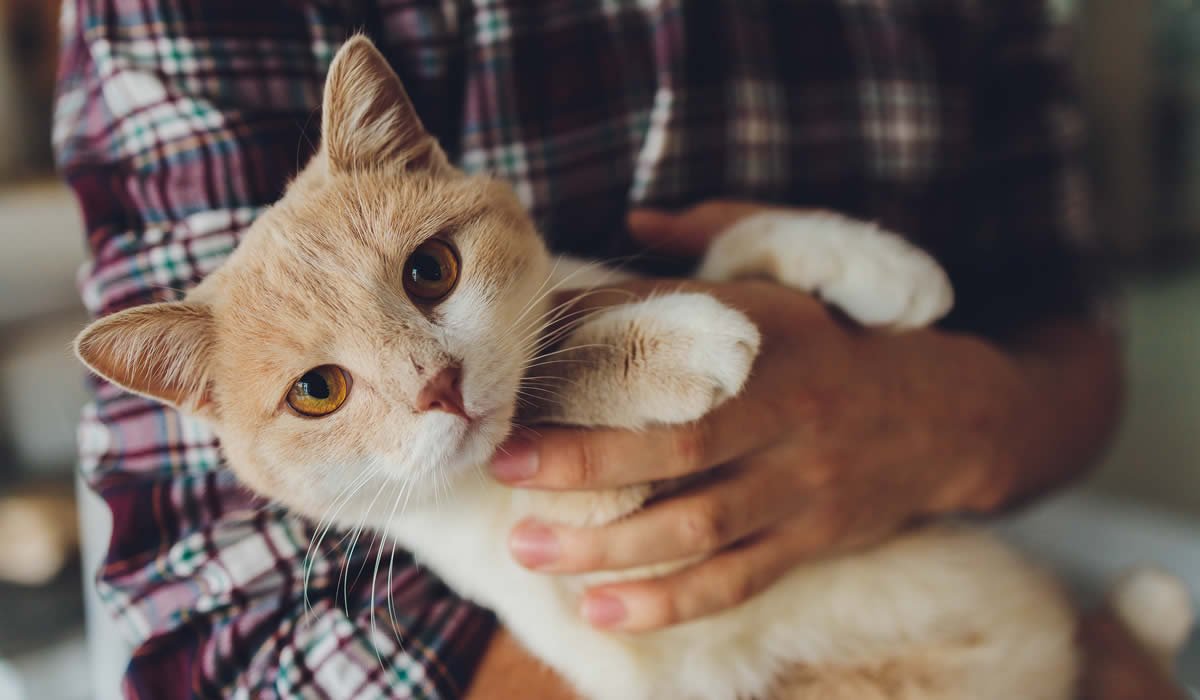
<point>371,337</point>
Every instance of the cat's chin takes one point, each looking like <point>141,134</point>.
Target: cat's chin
<point>446,448</point>
<point>476,442</point>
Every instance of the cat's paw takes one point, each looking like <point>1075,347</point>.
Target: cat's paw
<point>667,359</point>
<point>703,349</point>
<point>874,276</point>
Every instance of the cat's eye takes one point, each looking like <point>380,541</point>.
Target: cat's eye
<point>431,272</point>
<point>321,391</point>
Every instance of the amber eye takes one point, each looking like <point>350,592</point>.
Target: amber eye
<point>321,391</point>
<point>431,272</point>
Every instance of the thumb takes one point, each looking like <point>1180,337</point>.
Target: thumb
<point>690,231</point>
<point>666,231</point>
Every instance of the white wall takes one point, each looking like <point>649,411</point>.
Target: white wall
<point>1157,453</point>
<point>41,391</point>
<point>41,384</point>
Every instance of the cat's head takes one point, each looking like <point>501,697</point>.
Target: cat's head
<point>372,327</point>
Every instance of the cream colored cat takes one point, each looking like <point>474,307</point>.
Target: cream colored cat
<point>363,351</point>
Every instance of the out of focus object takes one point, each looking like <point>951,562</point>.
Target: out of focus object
<point>28,44</point>
<point>1175,108</point>
<point>41,385</point>
<point>1157,608</point>
<point>1113,44</point>
<point>43,246</point>
<point>39,532</point>
<point>1138,68</point>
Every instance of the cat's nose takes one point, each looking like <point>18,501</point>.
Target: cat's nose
<point>443,393</point>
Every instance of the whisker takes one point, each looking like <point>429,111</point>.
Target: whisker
<point>536,298</point>
<point>548,379</point>
<point>375,573</point>
<point>350,553</point>
<point>405,490</point>
<point>573,348</point>
<point>319,534</point>
<point>561,310</point>
<point>555,362</point>
<point>546,395</point>
<point>558,285</point>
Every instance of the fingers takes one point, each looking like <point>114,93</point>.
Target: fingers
<point>690,231</point>
<point>571,459</point>
<point>698,521</point>
<point>655,226</point>
<point>716,584</point>
<point>721,582</point>
<point>563,458</point>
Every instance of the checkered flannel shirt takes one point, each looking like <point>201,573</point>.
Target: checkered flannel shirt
<point>179,122</point>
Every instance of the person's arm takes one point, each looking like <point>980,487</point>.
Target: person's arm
<point>177,124</point>
<point>1018,394</point>
<point>855,434</point>
<point>1066,398</point>
<point>1068,410</point>
<point>1028,270</point>
<point>839,438</point>
<point>508,670</point>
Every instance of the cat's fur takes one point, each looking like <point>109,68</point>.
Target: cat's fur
<point>938,613</point>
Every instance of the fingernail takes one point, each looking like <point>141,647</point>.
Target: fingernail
<point>515,460</point>
<point>533,544</point>
<point>604,611</point>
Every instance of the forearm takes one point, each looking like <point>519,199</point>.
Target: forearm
<point>508,670</point>
<point>1058,391</point>
<point>1076,387</point>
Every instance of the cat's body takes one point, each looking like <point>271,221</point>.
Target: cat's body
<point>938,613</point>
<point>942,612</point>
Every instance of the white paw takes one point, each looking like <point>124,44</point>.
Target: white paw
<point>706,344</point>
<point>873,275</point>
<point>677,357</point>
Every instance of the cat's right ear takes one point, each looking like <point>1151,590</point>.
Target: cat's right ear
<point>367,118</point>
<point>159,350</point>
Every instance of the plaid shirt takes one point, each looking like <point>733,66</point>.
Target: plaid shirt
<point>178,123</point>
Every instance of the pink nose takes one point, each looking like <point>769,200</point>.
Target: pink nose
<point>443,393</point>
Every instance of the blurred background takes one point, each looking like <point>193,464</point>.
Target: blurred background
<point>1138,63</point>
<point>42,648</point>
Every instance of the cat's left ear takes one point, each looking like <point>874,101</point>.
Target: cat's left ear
<point>162,351</point>
<point>367,118</point>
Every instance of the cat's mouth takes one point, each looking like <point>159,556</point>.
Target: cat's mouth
<point>467,433</point>
<point>475,419</point>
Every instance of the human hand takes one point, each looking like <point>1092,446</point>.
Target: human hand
<point>839,438</point>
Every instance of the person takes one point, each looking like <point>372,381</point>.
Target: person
<point>631,130</point>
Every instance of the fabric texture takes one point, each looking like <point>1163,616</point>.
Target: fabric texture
<point>179,122</point>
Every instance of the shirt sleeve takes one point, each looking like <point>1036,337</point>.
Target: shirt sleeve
<point>176,125</point>
<point>1030,248</point>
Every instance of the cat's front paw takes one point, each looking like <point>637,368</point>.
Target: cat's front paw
<point>873,275</point>
<point>667,359</point>
<point>705,350</point>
